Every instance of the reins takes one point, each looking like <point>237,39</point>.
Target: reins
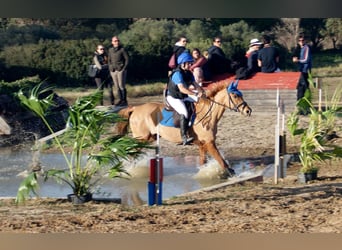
<point>212,102</point>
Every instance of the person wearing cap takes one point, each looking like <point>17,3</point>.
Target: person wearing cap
<point>268,56</point>
<point>252,55</point>
<point>250,63</point>
<point>181,86</point>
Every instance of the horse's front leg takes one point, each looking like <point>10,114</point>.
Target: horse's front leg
<point>213,151</point>
<point>202,154</point>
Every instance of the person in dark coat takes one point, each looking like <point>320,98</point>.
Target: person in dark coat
<point>101,78</point>
<point>217,63</point>
<point>179,46</point>
<point>118,61</point>
<point>268,56</point>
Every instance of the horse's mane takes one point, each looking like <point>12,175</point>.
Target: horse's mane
<point>210,92</point>
<point>215,87</point>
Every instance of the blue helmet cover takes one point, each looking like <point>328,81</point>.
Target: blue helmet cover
<point>184,57</point>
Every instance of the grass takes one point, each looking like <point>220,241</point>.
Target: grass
<point>133,91</point>
<point>327,64</point>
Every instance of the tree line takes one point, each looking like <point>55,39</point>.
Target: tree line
<point>60,49</point>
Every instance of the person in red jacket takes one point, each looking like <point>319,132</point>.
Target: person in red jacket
<point>196,67</point>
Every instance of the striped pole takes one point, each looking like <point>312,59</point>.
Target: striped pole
<point>155,184</point>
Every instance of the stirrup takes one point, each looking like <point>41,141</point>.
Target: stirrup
<point>187,140</point>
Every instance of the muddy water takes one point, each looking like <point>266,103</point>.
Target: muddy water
<point>181,175</point>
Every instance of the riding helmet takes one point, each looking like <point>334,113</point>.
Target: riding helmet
<point>184,57</point>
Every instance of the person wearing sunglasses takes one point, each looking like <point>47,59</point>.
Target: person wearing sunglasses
<point>217,63</point>
<point>118,61</point>
<point>102,76</point>
<point>304,64</point>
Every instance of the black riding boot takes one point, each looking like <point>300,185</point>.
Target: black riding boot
<point>183,130</point>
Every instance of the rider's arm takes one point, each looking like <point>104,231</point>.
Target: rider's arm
<point>185,90</point>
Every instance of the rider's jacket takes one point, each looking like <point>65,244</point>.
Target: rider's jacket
<point>173,89</point>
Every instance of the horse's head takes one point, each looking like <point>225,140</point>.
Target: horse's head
<point>236,101</point>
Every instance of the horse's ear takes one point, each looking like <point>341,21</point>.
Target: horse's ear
<point>236,83</point>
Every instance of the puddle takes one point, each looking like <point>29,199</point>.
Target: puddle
<point>181,175</point>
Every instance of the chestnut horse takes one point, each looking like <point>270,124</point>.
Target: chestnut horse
<point>143,120</point>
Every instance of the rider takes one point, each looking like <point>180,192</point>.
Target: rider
<point>182,87</point>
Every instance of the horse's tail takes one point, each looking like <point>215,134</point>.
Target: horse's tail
<point>122,126</point>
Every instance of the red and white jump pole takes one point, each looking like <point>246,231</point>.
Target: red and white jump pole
<point>155,184</point>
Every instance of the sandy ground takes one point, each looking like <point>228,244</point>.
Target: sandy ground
<point>288,206</point>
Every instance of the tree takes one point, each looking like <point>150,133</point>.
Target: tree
<point>149,44</point>
<point>287,32</point>
<point>236,38</point>
<point>333,28</point>
<point>314,29</point>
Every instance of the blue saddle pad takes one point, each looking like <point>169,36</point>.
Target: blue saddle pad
<point>167,118</point>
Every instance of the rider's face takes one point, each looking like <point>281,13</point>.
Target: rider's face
<point>186,65</point>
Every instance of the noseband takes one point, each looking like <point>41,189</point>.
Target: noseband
<point>236,106</point>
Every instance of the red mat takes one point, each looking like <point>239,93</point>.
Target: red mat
<point>281,80</point>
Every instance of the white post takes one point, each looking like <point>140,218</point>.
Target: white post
<point>318,84</point>
<point>157,158</point>
<point>283,142</point>
<point>276,153</point>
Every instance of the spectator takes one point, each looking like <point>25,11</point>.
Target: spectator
<point>118,61</point>
<point>250,65</point>
<point>252,55</point>
<point>304,62</point>
<point>217,61</point>
<point>268,57</point>
<point>102,76</point>
<point>179,46</point>
<point>196,67</point>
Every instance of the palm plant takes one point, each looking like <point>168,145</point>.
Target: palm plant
<point>86,127</point>
<point>315,140</point>
<point>312,148</point>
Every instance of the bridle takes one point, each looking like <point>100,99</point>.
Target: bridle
<point>235,105</point>
<point>235,108</point>
<point>231,101</point>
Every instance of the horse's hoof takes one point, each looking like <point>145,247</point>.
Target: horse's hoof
<point>231,172</point>
<point>227,173</point>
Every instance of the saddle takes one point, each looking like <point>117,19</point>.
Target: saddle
<point>170,116</point>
